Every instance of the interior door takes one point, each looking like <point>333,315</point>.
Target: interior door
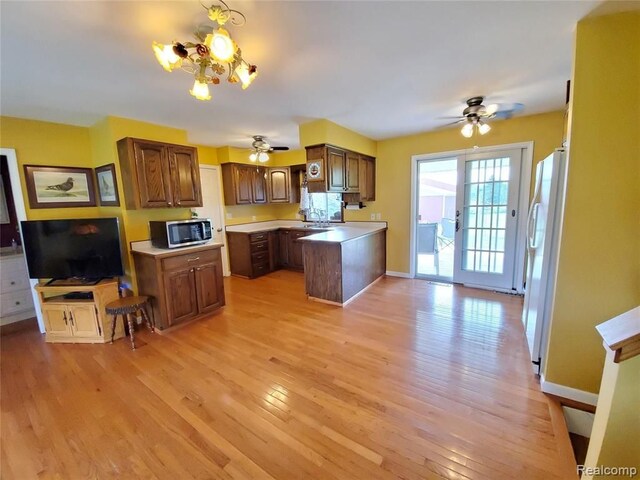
<point>212,208</point>
<point>488,188</point>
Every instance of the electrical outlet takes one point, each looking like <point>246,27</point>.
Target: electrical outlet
<point>373,216</point>
<point>229,215</point>
<point>378,216</point>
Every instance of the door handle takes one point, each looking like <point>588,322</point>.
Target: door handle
<point>193,259</point>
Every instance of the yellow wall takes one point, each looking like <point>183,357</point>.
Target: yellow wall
<point>393,170</point>
<point>44,143</point>
<point>325,131</point>
<point>599,267</point>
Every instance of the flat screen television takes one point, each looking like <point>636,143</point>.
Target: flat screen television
<point>85,249</point>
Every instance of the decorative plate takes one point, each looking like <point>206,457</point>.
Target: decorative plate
<point>314,170</point>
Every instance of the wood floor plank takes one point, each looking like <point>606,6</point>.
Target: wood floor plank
<point>411,380</point>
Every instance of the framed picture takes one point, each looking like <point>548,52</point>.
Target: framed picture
<point>55,187</point>
<point>107,185</point>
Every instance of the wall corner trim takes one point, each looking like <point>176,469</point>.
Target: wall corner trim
<point>390,273</point>
<point>568,392</point>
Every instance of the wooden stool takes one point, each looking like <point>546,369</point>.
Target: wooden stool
<point>125,307</point>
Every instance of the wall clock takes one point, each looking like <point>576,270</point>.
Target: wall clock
<point>314,170</point>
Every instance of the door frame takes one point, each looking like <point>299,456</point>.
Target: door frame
<point>21,214</point>
<point>226,271</point>
<point>523,202</point>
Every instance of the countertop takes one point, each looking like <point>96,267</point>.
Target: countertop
<point>335,233</point>
<point>144,247</point>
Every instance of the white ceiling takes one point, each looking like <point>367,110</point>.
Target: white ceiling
<point>383,69</point>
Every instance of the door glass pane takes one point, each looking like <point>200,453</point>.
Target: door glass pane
<point>436,202</point>
<point>484,225</point>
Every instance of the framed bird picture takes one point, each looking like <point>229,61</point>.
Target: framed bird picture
<point>55,187</point>
<point>107,185</point>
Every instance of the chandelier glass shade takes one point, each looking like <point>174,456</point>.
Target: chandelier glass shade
<point>211,56</point>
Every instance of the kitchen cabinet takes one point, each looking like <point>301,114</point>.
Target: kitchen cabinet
<point>335,169</point>
<point>255,254</point>
<point>78,320</point>
<point>159,175</point>
<point>251,254</point>
<point>296,260</point>
<point>183,286</point>
<point>283,248</point>
<point>279,185</point>
<point>244,184</point>
<point>367,166</point>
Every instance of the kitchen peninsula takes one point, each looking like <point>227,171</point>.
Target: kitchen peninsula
<point>339,260</point>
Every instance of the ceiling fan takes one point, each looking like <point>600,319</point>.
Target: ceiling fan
<point>260,149</point>
<point>475,115</point>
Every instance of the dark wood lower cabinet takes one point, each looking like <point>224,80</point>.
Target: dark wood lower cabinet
<point>209,287</point>
<point>182,303</point>
<point>182,286</point>
<point>254,254</point>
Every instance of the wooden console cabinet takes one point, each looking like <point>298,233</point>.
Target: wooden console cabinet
<point>159,175</point>
<point>69,320</point>
<point>184,285</point>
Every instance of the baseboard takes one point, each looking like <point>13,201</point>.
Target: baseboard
<point>568,392</point>
<point>390,273</point>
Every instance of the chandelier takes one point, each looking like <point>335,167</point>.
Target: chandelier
<point>213,54</point>
<point>474,123</point>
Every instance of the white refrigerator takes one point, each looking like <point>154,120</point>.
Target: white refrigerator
<point>544,225</point>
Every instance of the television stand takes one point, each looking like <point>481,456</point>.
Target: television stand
<point>73,281</point>
<point>76,313</point>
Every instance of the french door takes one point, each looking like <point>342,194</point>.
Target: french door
<point>487,195</point>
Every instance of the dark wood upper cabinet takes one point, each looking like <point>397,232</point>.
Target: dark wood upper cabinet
<point>367,178</point>
<point>245,184</point>
<point>335,169</point>
<point>352,172</point>
<point>159,175</point>
<point>185,174</point>
<point>259,184</point>
<point>279,185</point>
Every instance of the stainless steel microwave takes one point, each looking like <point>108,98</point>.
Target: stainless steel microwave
<point>180,233</point>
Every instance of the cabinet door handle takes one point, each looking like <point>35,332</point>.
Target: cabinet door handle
<point>12,282</point>
<point>191,270</point>
<point>18,303</point>
<point>218,229</point>
<point>193,259</point>
<point>64,317</point>
<point>71,319</point>
<point>169,203</point>
<point>178,203</point>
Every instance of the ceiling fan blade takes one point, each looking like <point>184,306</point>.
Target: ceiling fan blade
<point>453,123</point>
<point>459,117</point>
<point>502,110</point>
<point>279,149</point>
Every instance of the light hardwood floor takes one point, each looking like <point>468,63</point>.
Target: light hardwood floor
<point>411,380</point>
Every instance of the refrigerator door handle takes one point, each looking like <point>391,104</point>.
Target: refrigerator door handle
<point>532,220</point>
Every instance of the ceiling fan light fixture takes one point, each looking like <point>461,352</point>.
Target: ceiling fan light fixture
<point>467,130</point>
<point>253,157</point>
<point>483,128</point>
<point>263,157</point>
